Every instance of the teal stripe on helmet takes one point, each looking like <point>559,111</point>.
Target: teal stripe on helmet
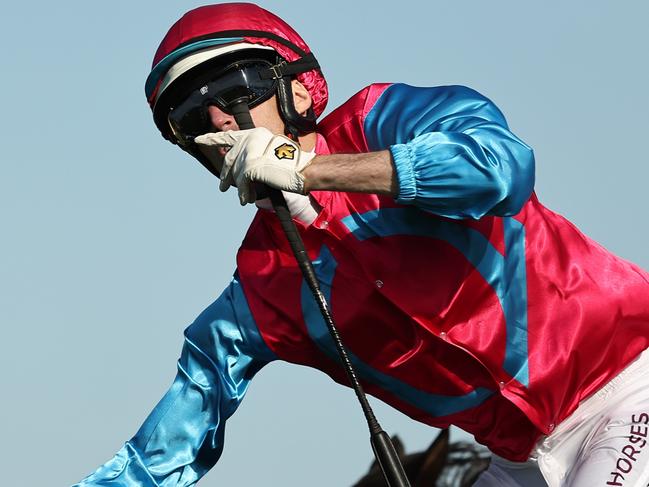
<point>166,62</point>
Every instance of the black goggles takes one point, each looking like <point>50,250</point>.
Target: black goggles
<point>241,79</point>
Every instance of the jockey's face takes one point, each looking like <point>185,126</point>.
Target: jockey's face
<point>266,115</point>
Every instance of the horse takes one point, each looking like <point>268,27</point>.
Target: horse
<point>443,464</point>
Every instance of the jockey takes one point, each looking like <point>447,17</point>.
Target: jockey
<point>461,298</point>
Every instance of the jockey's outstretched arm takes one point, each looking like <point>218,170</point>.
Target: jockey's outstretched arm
<point>182,438</point>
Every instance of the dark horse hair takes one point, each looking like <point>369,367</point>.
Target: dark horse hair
<point>443,464</point>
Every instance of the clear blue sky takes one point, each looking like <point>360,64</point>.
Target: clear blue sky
<point>112,240</point>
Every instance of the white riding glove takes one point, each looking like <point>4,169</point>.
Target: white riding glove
<point>257,155</point>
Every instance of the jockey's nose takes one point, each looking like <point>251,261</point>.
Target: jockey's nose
<point>220,120</point>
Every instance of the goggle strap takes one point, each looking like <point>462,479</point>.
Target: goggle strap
<point>302,65</point>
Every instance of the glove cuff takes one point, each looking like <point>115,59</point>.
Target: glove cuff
<point>305,160</point>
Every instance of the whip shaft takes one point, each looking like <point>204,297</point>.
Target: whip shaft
<point>384,451</point>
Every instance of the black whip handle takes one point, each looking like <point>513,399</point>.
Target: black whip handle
<point>241,114</point>
<point>388,460</point>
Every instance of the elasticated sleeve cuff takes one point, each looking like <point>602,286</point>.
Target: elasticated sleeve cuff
<point>405,173</point>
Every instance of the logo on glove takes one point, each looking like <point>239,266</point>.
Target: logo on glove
<point>285,151</point>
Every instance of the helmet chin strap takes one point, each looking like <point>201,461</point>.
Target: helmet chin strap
<point>295,123</point>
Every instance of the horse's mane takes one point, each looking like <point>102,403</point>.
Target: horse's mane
<point>443,464</point>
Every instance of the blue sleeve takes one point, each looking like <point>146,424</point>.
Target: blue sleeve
<point>183,436</point>
<point>452,150</point>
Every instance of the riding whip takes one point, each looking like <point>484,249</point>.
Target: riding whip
<point>384,451</point>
